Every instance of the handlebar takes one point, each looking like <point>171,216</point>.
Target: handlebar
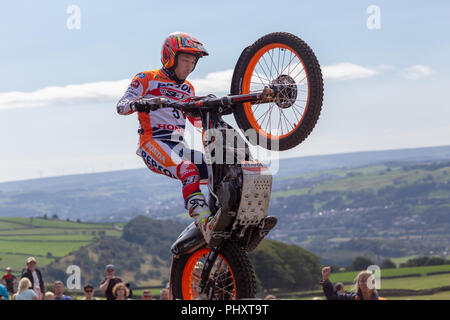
<point>209,103</point>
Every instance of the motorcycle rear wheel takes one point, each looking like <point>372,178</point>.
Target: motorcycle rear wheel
<point>232,273</point>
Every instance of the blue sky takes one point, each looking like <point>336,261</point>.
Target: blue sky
<point>397,95</point>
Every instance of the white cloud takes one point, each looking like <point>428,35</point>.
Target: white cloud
<point>416,72</point>
<point>110,91</point>
<point>346,71</point>
<point>215,82</point>
<point>384,67</point>
<point>79,94</point>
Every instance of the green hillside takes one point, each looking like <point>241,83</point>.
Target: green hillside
<point>382,211</point>
<point>46,239</point>
<point>142,257</point>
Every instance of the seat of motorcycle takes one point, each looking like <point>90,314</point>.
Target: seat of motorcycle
<point>189,240</point>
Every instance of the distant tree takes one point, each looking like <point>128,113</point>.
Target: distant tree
<point>45,217</point>
<point>423,261</point>
<point>335,268</point>
<point>359,263</point>
<point>283,266</point>
<point>388,264</point>
<point>67,219</point>
<point>78,220</point>
<point>55,216</point>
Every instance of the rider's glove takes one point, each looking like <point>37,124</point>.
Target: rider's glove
<point>148,104</point>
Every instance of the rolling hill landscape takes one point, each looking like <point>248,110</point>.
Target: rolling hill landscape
<point>380,205</point>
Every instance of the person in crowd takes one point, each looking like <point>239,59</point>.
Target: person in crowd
<point>164,294</point>
<point>3,293</point>
<point>339,287</point>
<point>49,296</point>
<point>364,288</point>
<point>108,283</point>
<point>9,280</point>
<point>34,275</point>
<point>88,291</point>
<point>121,292</point>
<point>24,292</point>
<point>58,288</point>
<point>146,295</point>
<point>129,289</point>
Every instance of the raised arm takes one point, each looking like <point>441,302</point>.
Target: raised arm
<point>135,90</point>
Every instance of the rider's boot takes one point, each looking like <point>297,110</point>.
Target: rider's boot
<point>199,210</point>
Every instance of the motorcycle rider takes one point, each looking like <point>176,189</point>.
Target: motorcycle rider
<point>161,144</point>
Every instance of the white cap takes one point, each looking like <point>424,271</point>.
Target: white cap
<point>31,259</point>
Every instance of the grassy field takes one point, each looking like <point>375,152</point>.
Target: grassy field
<point>421,281</point>
<point>350,276</point>
<point>46,239</point>
<point>367,178</point>
<point>438,296</point>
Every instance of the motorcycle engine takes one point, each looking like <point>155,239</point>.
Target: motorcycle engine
<point>229,190</point>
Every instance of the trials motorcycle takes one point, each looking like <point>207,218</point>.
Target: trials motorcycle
<point>276,97</point>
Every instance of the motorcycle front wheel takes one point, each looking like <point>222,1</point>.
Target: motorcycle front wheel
<point>284,60</point>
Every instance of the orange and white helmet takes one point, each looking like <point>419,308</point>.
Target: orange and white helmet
<point>180,42</point>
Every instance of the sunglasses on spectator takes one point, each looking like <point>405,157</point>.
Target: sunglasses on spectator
<point>88,291</point>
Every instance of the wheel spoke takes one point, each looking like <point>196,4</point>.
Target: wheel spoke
<point>263,71</point>
<point>271,52</point>
<point>282,64</point>
<point>287,121</point>
<point>268,69</point>
<point>293,69</point>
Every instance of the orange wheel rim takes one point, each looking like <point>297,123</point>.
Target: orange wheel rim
<point>246,89</point>
<point>189,281</point>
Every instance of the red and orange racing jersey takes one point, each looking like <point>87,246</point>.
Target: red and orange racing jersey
<point>164,123</point>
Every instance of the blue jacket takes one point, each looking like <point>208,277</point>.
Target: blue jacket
<point>4,292</point>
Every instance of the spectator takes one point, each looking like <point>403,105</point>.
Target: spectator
<point>89,293</point>
<point>3,293</point>
<point>109,282</point>
<point>9,280</point>
<point>146,295</point>
<point>164,294</point>
<point>34,275</point>
<point>49,296</point>
<point>364,288</point>
<point>339,287</point>
<point>58,288</point>
<point>129,289</point>
<point>121,292</point>
<point>270,297</point>
<point>24,292</point>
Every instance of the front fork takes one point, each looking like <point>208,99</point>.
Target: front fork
<point>205,287</point>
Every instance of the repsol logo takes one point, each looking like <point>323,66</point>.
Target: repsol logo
<point>183,87</point>
<point>156,152</point>
<point>152,164</point>
<point>173,94</point>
